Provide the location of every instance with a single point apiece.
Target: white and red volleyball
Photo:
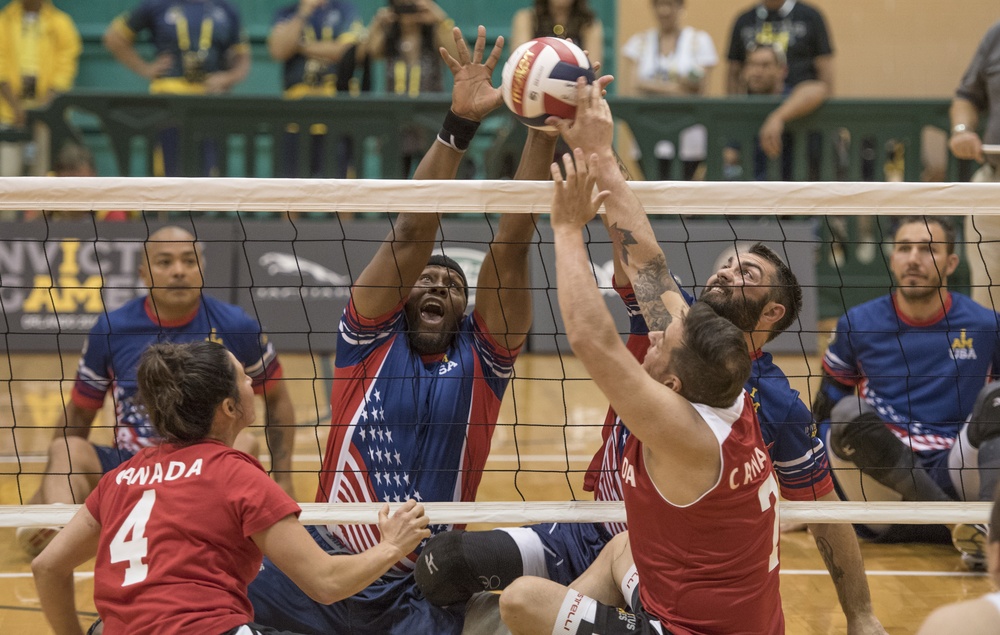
(539, 80)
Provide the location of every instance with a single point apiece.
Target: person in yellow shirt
(39, 54)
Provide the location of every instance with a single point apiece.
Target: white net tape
(578, 512)
(314, 195)
(293, 195)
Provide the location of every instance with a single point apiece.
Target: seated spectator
(76, 160)
(180, 530)
(407, 35)
(923, 425)
(982, 615)
(313, 38)
(568, 19)
(799, 30)
(669, 61)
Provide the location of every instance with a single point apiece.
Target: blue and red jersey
(111, 354)
(406, 425)
(922, 378)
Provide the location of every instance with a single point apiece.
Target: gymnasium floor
(907, 581)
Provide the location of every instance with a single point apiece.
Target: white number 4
(135, 549)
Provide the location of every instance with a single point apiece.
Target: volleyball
(539, 80)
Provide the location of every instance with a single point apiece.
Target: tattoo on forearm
(651, 281)
(623, 238)
(826, 550)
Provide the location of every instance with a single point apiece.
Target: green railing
(250, 131)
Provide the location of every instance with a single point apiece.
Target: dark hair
(945, 223)
(712, 360)
(394, 34)
(774, 47)
(785, 289)
(580, 17)
(73, 156)
(440, 260)
(181, 385)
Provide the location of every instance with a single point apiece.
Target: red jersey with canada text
(175, 554)
(711, 566)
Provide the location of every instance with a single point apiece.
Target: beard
(430, 342)
(732, 304)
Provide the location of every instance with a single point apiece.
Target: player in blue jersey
(175, 310)
(906, 388)
(418, 382)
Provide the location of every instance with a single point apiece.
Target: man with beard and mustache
(925, 424)
(754, 289)
(418, 382)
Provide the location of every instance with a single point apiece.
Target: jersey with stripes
(409, 426)
(922, 378)
(115, 344)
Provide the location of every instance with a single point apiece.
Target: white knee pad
(576, 609)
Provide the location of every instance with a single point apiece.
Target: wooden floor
(549, 425)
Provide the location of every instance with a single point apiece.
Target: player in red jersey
(179, 530)
(699, 488)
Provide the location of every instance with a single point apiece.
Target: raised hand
(574, 204)
(405, 528)
(473, 96)
(593, 128)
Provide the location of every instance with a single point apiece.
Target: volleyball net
(287, 251)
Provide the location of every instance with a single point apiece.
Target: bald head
(172, 269)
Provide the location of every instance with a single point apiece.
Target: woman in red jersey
(180, 529)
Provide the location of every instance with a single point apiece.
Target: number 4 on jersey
(133, 549)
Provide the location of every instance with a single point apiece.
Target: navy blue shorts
(393, 606)
(111, 457)
(570, 548)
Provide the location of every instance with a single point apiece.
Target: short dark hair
(785, 289)
(181, 385)
(712, 361)
(779, 51)
(944, 222)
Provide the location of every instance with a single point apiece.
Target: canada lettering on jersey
(751, 469)
(152, 474)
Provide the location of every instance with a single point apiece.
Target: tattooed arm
(629, 227)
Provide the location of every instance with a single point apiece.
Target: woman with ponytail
(180, 529)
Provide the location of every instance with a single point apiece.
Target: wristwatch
(960, 127)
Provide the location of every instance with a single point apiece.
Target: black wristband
(457, 132)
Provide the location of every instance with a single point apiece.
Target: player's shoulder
(127, 315)
(869, 313)
(967, 305)
(803, 10)
(232, 314)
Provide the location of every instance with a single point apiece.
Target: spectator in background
(314, 39)
(800, 31)
(570, 19)
(76, 160)
(201, 49)
(39, 55)
(979, 92)
(671, 60)
(407, 35)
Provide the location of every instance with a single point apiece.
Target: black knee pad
(867, 442)
(984, 423)
(455, 565)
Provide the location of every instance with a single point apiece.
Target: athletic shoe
(970, 540)
(33, 539)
